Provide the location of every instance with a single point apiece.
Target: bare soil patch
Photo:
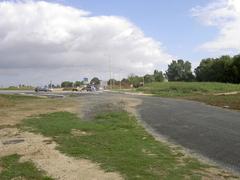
(39, 149)
(78, 133)
(43, 154)
(89, 107)
(13, 113)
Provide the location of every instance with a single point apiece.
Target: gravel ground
(209, 131)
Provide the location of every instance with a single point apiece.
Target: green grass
(197, 91)
(175, 89)
(13, 169)
(118, 143)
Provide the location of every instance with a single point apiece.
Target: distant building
(85, 81)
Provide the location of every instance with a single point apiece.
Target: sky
(43, 41)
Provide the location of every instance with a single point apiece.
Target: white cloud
(225, 15)
(41, 41)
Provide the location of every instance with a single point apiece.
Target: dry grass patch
(14, 108)
(231, 101)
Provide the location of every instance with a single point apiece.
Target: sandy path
(41, 151)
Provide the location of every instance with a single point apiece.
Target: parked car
(44, 89)
(74, 89)
(89, 88)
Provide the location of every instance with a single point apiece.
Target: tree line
(68, 84)
(223, 69)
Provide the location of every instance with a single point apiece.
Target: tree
(112, 82)
(236, 69)
(66, 84)
(136, 81)
(179, 71)
(204, 71)
(224, 69)
(158, 76)
(125, 81)
(77, 83)
(95, 81)
(149, 78)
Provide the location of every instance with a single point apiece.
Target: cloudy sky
(68, 40)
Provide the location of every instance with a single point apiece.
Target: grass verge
(13, 169)
(118, 143)
(229, 101)
(174, 89)
(197, 91)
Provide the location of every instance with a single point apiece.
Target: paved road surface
(210, 131)
(47, 94)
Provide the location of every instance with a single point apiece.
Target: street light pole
(110, 72)
(120, 83)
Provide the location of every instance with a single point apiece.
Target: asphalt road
(47, 94)
(210, 131)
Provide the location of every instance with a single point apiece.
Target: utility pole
(120, 83)
(110, 72)
(113, 81)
